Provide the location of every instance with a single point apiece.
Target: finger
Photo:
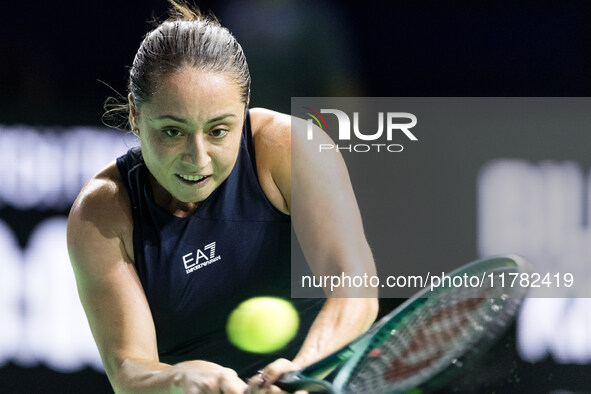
(255, 383)
(233, 388)
(274, 390)
(230, 383)
(273, 371)
(208, 385)
(264, 390)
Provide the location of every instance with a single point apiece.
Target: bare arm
(99, 244)
(315, 188)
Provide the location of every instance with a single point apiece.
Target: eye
(218, 133)
(172, 132)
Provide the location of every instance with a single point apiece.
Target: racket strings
(431, 337)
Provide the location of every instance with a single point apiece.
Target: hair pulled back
(186, 38)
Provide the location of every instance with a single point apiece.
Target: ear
(132, 113)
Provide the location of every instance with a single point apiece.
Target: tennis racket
(421, 344)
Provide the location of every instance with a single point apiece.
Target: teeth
(192, 178)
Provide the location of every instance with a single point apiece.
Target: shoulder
(103, 210)
(271, 133)
(104, 193)
(270, 129)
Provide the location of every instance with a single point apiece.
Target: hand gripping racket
(419, 345)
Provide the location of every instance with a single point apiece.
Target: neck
(170, 204)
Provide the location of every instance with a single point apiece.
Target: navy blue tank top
(196, 270)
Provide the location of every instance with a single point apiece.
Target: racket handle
(294, 381)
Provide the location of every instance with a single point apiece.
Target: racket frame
(349, 355)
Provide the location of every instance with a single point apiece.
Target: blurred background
(60, 61)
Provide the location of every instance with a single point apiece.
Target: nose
(196, 151)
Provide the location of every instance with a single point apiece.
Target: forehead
(191, 92)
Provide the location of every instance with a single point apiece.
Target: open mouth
(193, 179)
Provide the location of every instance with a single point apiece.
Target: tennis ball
(262, 324)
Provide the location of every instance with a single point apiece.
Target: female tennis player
(167, 240)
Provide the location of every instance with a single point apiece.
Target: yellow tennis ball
(262, 324)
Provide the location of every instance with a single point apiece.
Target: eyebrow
(180, 120)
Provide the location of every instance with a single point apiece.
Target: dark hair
(186, 38)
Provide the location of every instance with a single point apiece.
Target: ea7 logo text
(200, 259)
